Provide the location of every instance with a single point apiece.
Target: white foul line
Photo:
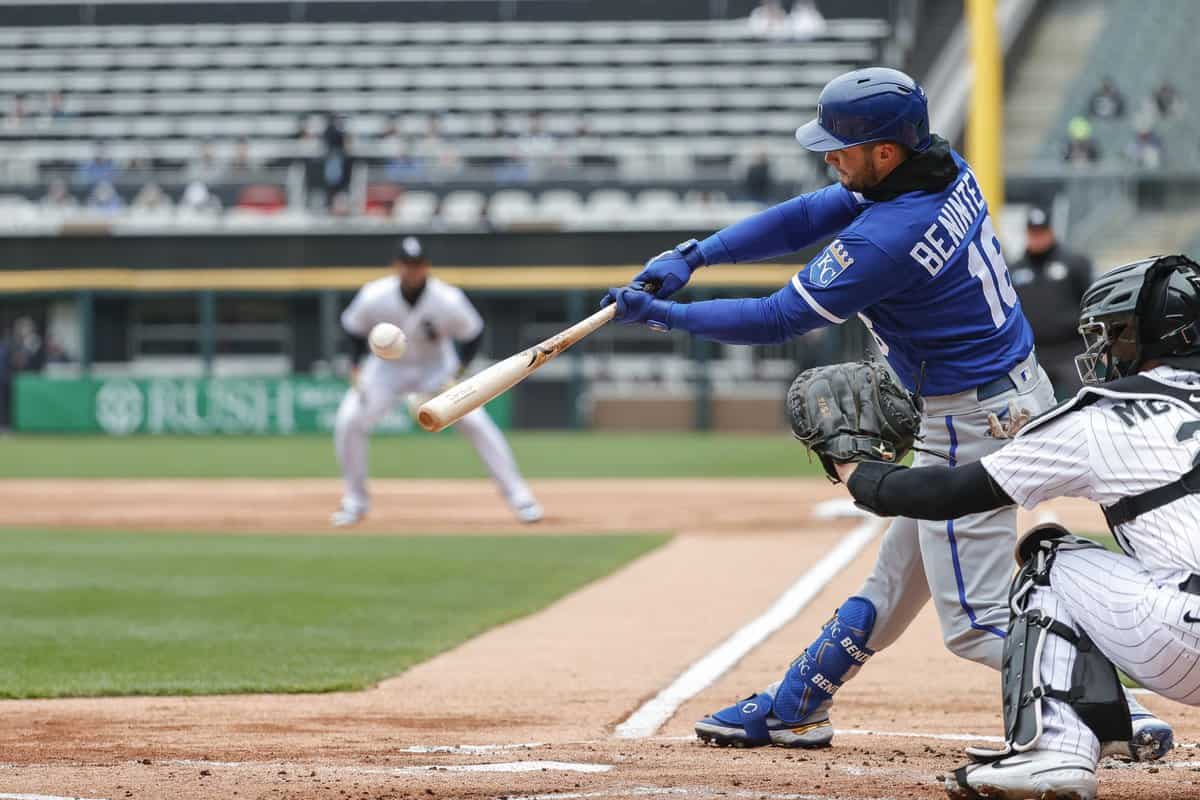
(4, 796)
(660, 708)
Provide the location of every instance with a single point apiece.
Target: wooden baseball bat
(461, 399)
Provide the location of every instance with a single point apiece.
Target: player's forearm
(933, 493)
(780, 229)
(468, 350)
(759, 320)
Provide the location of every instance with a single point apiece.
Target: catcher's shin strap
(1130, 508)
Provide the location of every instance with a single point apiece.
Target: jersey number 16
(986, 264)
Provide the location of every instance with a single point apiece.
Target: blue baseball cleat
(751, 723)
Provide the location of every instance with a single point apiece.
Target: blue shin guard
(831, 660)
(791, 713)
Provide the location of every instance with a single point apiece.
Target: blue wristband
(659, 316)
(693, 256)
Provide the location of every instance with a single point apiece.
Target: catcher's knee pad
(830, 661)
(1095, 693)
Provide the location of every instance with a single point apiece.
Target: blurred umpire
(1051, 280)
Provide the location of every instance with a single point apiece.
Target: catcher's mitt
(852, 412)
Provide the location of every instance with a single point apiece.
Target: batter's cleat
(1152, 739)
(1036, 775)
(750, 723)
(347, 515)
(529, 513)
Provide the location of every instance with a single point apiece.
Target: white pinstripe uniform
(1130, 605)
(441, 316)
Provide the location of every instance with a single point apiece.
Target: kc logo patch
(833, 261)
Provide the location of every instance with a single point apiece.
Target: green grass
(541, 455)
(107, 614)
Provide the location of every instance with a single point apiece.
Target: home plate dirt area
(593, 697)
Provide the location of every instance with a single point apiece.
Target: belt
(994, 387)
(1000, 385)
(1191, 585)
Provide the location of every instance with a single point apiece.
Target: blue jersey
(923, 271)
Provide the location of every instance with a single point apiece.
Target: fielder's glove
(852, 412)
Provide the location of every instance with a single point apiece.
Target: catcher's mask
(1149, 309)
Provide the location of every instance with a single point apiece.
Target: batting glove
(670, 270)
(636, 304)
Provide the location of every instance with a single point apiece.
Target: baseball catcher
(1130, 441)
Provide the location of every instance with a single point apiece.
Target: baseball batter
(914, 255)
(1129, 441)
(444, 332)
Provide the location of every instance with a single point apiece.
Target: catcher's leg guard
(794, 712)
(1095, 693)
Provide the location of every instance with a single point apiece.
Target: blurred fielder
(1130, 441)
(916, 258)
(444, 333)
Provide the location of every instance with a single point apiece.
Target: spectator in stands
(206, 167)
(58, 197)
(104, 199)
(758, 184)
(1167, 101)
(768, 19)
(243, 158)
(197, 199)
(1107, 102)
(537, 149)
(435, 152)
(335, 161)
(55, 106)
(1081, 146)
(1051, 280)
(18, 111)
(401, 166)
(98, 168)
(1147, 149)
(151, 199)
(806, 21)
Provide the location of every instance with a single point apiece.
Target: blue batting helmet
(875, 104)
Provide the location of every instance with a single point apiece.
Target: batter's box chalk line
(422, 769)
(698, 793)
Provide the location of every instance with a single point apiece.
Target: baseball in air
(387, 341)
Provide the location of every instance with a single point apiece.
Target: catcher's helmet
(875, 104)
(1149, 309)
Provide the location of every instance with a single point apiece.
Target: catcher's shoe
(347, 515)
(1036, 775)
(750, 723)
(1152, 739)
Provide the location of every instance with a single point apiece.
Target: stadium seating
(429, 104)
(1141, 46)
(165, 86)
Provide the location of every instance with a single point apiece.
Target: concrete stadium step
(1056, 54)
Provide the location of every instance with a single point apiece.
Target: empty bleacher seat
(414, 210)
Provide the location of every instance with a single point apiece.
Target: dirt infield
(530, 709)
